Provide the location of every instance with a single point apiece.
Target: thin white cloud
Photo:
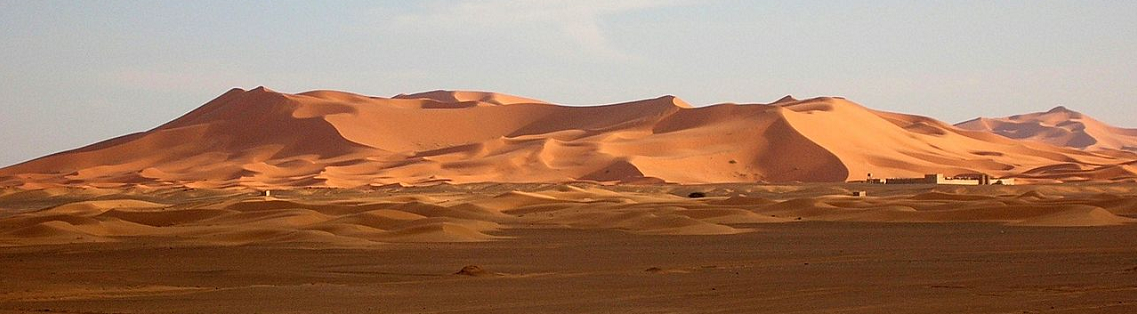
(578, 22)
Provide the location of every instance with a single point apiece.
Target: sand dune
(265, 139)
(1060, 127)
(481, 212)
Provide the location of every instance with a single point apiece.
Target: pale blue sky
(78, 72)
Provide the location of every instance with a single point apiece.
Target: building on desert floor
(939, 178)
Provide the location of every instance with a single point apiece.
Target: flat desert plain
(572, 248)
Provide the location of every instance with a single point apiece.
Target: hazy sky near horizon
(78, 72)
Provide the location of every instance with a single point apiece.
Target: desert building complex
(939, 178)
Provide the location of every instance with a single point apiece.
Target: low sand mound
(436, 232)
(672, 225)
(489, 212)
(1076, 216)
(728, 216)
(514, 200)
(90, 208)
(164, 218)
(382, 219)
(942, 196)
(49, 233)
(743, 200)
(270, 236)
(59, 229)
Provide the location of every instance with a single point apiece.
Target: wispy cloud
(577, 21)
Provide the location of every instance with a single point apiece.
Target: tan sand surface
(809, 267)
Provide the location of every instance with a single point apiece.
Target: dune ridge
(265, 139)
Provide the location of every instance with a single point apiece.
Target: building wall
(909, 181)
(944, 180)
(957, 181)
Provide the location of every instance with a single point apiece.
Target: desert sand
(475, 212)
(571, 248)
(265, 139)
(479, 202)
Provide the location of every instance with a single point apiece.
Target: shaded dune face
(266, 139)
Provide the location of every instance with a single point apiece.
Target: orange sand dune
(1060, 127)
(265, 139)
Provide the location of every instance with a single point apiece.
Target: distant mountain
(263, 138)
(1061, 127)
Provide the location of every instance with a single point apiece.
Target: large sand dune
(1061, 127)
(265, 139)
